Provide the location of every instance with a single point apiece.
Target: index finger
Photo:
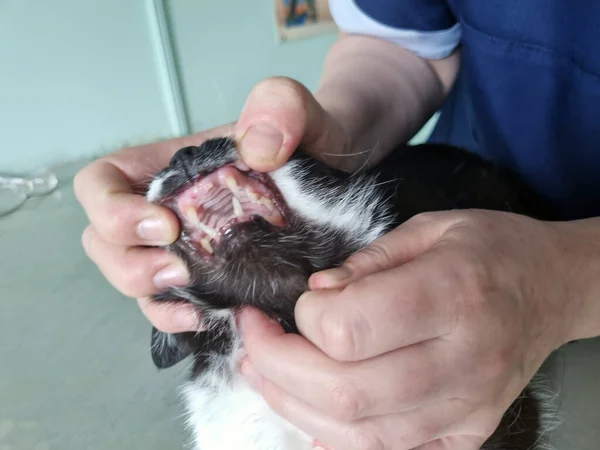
(383, 311)
(109, 190)
(119, 215)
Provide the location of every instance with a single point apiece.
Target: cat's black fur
(268, 267)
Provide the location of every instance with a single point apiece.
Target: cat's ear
(169, 349)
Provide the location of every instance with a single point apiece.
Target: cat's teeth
(275, 219)
(206, 245)
(237, 207)
(261, 201)
(232, 185)
(208, 230)
(192, 216)
(268, 203)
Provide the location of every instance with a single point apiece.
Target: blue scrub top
(528, 92)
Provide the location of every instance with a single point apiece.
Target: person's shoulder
(426, 28)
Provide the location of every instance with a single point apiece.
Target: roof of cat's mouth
(213, 203)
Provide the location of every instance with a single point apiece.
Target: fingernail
(319, 446)
(184, 319)
(251, 375)
(332, 278)
(338, 274)
(172, 275)
(262, 142)
(155, 230)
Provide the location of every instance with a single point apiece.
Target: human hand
(423, 339)
(123, 226)
(279, 115)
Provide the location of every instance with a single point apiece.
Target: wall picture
(302, 18)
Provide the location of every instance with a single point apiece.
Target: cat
(253, 238)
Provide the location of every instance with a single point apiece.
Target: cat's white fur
(225, 412)
(350, 210)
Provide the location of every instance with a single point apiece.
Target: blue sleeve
(426, 27)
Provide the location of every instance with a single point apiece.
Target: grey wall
(80, 78)
(83, 78)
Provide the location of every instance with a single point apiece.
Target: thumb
(399, 246)
(279, 115)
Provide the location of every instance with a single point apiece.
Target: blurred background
(79, 79)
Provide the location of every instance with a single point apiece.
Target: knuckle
(471, 273)
(374, 256)
(109, 212)
(280, 93)
(339, 340)
(124, 274)
(280, 85)
(130, 280)
(112, 224)
(421, 218)
(448, 218)
(470, 281)
(346, 400)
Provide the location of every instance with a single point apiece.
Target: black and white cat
(254, 239)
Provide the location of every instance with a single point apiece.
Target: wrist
(578, 244)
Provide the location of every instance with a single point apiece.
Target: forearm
(380, 93)
(579, 245)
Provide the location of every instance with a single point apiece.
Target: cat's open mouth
(213, 204)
